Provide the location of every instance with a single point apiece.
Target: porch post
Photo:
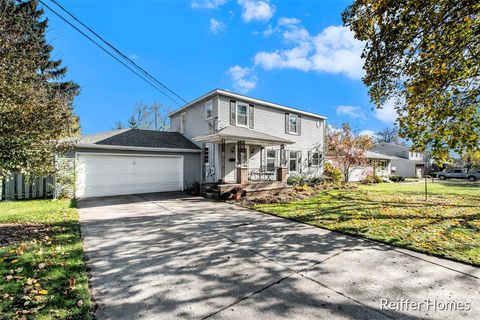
(282, 172)
(242, 167)
(222, 164)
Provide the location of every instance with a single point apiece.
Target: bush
(296, 180)
(371, 178)
(303, 180)
(331, 173)
(396, 178)
(195, 189)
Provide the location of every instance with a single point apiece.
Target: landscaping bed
(42, 270)
(446, 225)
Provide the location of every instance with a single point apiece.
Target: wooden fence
(15, 187)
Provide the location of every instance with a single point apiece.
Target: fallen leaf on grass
(43, 291)
(41, 266)
(72, 283)
(80, 303)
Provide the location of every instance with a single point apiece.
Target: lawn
(447, 225)
(42, 270)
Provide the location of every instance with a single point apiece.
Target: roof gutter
(249, 99)
(112, 147)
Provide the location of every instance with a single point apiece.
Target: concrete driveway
(166, 256)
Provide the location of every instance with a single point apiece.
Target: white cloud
(333, 50)
(243, 79)
(259, 10)
(282, 21)
(133, 56)
(216, 26)
(207, 4)
(351, 111)
(387, 114)
(367, 132)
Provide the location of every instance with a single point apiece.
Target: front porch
(240, 156)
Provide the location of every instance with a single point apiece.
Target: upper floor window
(183, 122)
(208, 109)
(292, 123)
(242, 115)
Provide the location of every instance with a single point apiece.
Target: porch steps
(252, 188)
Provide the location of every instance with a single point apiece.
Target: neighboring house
(246, 139)
(405, 163)
(221, 137)
(377, 162)
(131, 161)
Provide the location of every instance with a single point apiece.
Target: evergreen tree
(35, 104)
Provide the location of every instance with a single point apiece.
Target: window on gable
(208, 109)
(183, 122)
(242, 115)
(292, 123)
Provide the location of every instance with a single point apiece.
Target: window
(292, 123)
(271, 159)
(315, 159)
(206, 154)
(183, 122)
(293, 162)
(382, 164)
(208, 109)
(242, 115)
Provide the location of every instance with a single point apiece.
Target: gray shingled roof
(233, 132)
(138, 138)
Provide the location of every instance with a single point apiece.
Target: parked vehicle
(458, 174)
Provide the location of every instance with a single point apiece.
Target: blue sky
(294, 53)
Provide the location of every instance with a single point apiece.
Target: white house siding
(272, 121)
(196, 123)
(405, 168)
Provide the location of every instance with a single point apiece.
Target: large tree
(35, 105)
(425, 56)
(388, 135)
(148, 117)
(346, 150)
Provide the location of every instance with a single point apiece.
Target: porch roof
(234, 134)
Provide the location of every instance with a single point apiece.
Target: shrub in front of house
(304, 180)
(371, 178)
(332, 173)
(396, 178)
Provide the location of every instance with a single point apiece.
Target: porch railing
(261, 174)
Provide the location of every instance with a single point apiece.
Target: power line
(118, 51)
(146, 79)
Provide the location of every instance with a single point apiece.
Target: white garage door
(107, 175)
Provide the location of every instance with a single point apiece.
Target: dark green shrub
(195, 189)
(396, 178)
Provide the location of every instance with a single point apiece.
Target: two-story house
(246, 139)
(404, 162)
(220, 137)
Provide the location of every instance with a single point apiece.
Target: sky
(294, 53)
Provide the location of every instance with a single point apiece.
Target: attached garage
(134, 161)
(115, 174)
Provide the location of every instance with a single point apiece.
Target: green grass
(447, 225)
(36, 274)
